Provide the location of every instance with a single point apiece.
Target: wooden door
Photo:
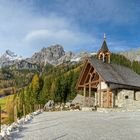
(107, 99)
(110, 99)
(105, 104)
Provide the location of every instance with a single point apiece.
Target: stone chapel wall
(125, 99)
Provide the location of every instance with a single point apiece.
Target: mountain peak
(49, 54)
(9, 58)
(10, 53)
(54, 55)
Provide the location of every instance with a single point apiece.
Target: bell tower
(104, 53)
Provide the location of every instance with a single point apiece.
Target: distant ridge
(54, 55)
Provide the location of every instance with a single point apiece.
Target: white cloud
(66, 37)
(26, 29)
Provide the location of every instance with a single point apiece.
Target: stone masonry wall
(138, 95)
(121, 97)
(125, 99)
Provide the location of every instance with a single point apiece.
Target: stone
(49, 104)
(49, 55)
(125, 99)
(87, 109)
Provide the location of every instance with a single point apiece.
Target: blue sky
(78, 25)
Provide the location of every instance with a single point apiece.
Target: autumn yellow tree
(36, 86)
(10, 109)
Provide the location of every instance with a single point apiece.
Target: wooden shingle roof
(116, 74)
(104, 47)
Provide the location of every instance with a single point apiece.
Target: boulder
(79, 99)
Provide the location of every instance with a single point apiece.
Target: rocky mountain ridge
(48, 55)
(132, 55)
(54, 55)
(9, 58)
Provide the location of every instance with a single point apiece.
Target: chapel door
(110, 99)
(107, 99)
(105, 103)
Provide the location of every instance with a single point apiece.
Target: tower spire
(104, 53)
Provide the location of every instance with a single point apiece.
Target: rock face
(9, 58)
(81, 56)
(49, 55)
(24, 64)
(132, 55)
(66, 58)
(14, 61)
(54, 55)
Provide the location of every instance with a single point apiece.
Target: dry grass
(4, 115)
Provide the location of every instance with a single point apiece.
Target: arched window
(106, 58)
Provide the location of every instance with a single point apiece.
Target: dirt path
(82, 126)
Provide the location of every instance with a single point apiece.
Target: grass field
(3, 107)
(3, 101)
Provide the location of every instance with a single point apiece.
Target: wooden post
(89, 90)
(15, 113)
(99, 98)
(84, 95)
(0, 118)
(95, 99)
(112, 100)
(84, 91)
(107, 96)
(109, 58)
(89, 98)
(24, 110)
(103, 57)
(90, 85)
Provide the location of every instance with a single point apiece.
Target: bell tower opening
(104, 53)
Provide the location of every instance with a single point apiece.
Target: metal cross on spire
(104, 36)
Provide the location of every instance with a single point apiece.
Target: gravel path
(82, 126)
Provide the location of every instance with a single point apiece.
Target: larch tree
(36, 86)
